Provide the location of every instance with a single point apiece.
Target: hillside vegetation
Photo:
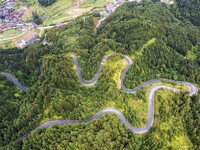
(190, 9)
(158, 43)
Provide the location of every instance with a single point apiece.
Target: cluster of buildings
(14, 26)
(170, 2)
(9, 17)
(110, 8)
(22, 44)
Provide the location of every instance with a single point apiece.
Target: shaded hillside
(190, 9)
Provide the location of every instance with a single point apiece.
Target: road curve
(112, 110)
(192, 89)
(14, 80)
(94, 80)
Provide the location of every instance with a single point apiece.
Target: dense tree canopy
(36, 18)
(190, 9)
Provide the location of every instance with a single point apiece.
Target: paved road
(46, 27)
(192, 89)
(41, 67)
(94, 80)
(115, 111)
(111, 110)
(6, 39)
(11, 78)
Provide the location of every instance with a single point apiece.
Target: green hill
(149, 33)
(189, 9)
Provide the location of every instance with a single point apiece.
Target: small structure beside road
(58, 24)
(170, 2)
(22, 44)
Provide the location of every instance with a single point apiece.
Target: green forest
(189, 9)
(36, 18)
(162, 41)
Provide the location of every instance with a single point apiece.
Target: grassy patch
(181, 142)
(49, 14)
(10, 33)
(191, 55)
(149, 43)
(141, 110)
(7, 44)
(95, 3)
(117, 66)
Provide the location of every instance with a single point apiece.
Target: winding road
(93, 81)
(14, 80)
(112, 110)
(192, 90)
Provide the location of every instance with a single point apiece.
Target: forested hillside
(190, 9)
(159, 44)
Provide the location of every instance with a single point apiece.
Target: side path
(192, 90)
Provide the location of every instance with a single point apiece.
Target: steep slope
(157, 43)
(190, 9)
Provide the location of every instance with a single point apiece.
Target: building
(170, 2)
(34, 39)
(9, 14)
(34, 25)
(109, 6)
(22, 44)
(58, 24)
(118, 2)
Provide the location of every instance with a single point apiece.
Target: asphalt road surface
(14, 80)
(93, 81)
(192, 90)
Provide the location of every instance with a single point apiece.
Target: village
(110, 8)
(11, 18)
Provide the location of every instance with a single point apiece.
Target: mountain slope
(156, 41)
